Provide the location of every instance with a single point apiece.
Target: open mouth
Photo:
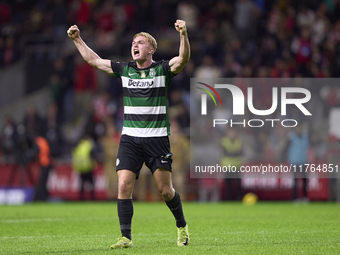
(136, 52)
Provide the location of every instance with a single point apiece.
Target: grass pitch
(221, 228)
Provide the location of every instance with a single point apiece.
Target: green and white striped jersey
(145, 98)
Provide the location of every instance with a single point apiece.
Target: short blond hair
(149, 38)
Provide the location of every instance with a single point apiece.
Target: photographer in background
(25, 153)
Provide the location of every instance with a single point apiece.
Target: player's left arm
(177, 63)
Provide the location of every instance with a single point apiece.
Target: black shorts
(134, 151)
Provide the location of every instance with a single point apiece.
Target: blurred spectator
(264, 151)
(104, 17)
(208, 69)
(83, 162)
(59, 19)
(212, 47)
(318, 147)
(9, 52)
(64, 89)
(56, 90)
(230, 68)
(178, 109)
(45, 163)
(232, 156)
(334, 34)
(321, 25)
(182, 82)
(274, 19)
(297, 155)
(278, 140)
(235, 48)
(61, 86)
(209, 190)
(53, 131)
(105, 23)
(222, 12)
(110, 144)
(103, 109)
(188, 11)
(33, 122)
(305, 18)
(81, 11)
(245, 19)
(279, 70)
(7, 137)
(94, 128)
(104, 41)
(5, 12)
(85, 84)
(180, 147)
(270, 53)
(26, 151)
(290, 21)
(302, 48)
(221, 112)
(331, 97)
(249, 144)
(143, 19)
(37, 20)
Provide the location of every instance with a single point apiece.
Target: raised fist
(73, 32)
(181, 27)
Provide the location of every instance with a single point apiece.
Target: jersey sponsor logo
(164, 161)
(140, 84)
(117, 161)
(146, 83)
(130, 74)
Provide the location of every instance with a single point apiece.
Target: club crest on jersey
(142, 74)
(152, 73)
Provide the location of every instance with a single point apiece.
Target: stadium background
(49, 90)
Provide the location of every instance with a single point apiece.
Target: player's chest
(142, 74)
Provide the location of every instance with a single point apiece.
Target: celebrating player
(146, 123)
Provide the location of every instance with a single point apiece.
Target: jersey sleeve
(167, 70)
(117, 68)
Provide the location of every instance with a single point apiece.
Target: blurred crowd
(254, 38)
(231, 38)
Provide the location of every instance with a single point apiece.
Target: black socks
(175, 205)
(125, 213)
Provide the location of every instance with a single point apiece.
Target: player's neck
(144, 64)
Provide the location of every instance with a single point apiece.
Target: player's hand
(181, 27)
(73, 32)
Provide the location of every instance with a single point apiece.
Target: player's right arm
(88, 55)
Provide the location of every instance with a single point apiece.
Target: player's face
(141, 48)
